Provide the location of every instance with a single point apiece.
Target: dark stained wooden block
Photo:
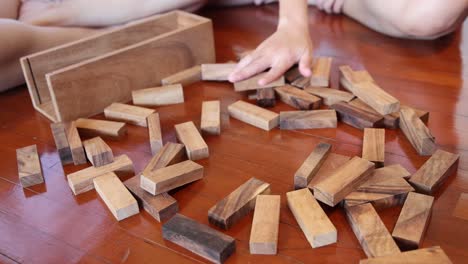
(266, 97)
(298, 98)
(61, 142)
(356, 117)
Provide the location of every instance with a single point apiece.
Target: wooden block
(76, 146)
(343, 181)
(252, 83)
(29, 166)
(237, 204)
(311, 165)
(154, 133)
(292, 74)
(395, 170)
(185, 77)
(332, 163)
(195, 146)
(371, 232)
(417, 132)
(82, 180)
(356, 117)
(321, 72)
(199, 239)
(265, 225)
(103, 128)
(297, 98)
(432, 255)
(254, 115)
(161, 207)
(313, 221)
(171, 153)
(373, 146)
(330, 96)
(301, 82)
(308, 119)
(98, 152)
(461, 209)
(61, 142)
(211, 117)
(434, 172)
(390, 121)
(413, 221)
(159, 96)
(217, 71)
(114, 194)
(169, 178)
(266, 97)
(128, 113)
(253, 96)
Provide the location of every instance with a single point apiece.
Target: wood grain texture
(199, 239)
(373, 146)
(313, 221)
(321, 72)
(301, 82)
(461, 209)
(184, 77)
(265, 225)
(394, 170)
(211, 117)
(128, 113)
(330, 96)
(332, 163)
(171, 153)
(343, 181)
(103, 128)
(356, 117)
(29, 166)
(311, 165)
(159, 96)
(390, 121)
(161, 207)
(252, 83)
(171, 177)
(266, 97)
(217, 71)
(432, 255)
(417, 132)
(154, 133)
(82, 180)
(292, 74)
(435, 171)
(412, 223)
(98, 152)
(195, 145)
(114, 194)
(237, 204)
(313, 119)
(74, 141)
(254, 115)
(297, 98)
(61, 142)
(371, 232)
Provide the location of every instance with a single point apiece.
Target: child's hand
(330, 6)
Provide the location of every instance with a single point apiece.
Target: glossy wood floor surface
(47, 224)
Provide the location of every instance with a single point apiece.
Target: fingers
(328, 5)
(274, 73)
(338, 6)
(305, 65)
(246, 70)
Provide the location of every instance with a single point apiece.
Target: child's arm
(290, 44)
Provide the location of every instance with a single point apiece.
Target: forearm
(293, 14)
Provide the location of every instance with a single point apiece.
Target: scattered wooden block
(395, 170)
(98, 152)
(161, 207)
(332, 163)
(29, 166)
(343, 181)
(297, 98)
(114, 194)
(390, 121)
(61, 142)
(199, 239)
(128, 113)
(211, 117)
(292, 74)
(321, 72)
(252, 83)
(308, 119)
(82, 180)
(237, 204)
(195, 146)
(434, 172)
(171, 153)
(217, 71)
(185, 77)
(254, 115)
(371, 232)
(432, 255)
(169, 178)
(373, 146)
(330, 96)
(311, 165)
(313, 221)
(356, 117)
(265, 225)
(461, 209)
(266, 97)
(103, 128)
(417, 132)
(74, 141)
(301, 82)
(159, 96)
(154, 133)
(348, 77)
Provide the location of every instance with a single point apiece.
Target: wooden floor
(47, 224)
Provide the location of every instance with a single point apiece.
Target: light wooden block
(103, 128)
(332, 163)
(297, 98)
(313, 221)
(82, 180)
(311, 165)
(356, 117)
(321, 72)
(252, 83)
(128, 113)
(330, 96)
(211, 117)
(395, 170)
(185, 77)
(114, 194)
(417, 132)
(98, 152)
(266, 97)
(195, 145)
(254, 115)
(432, 255)
(265, 225)
(301, 82)
(159, 96)
(29, 166)
(237, 204)
(217, 71)
(76, 146)
(154, 133)
(61, 142)
(313, 119)
(171, 153)
(373, 146)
